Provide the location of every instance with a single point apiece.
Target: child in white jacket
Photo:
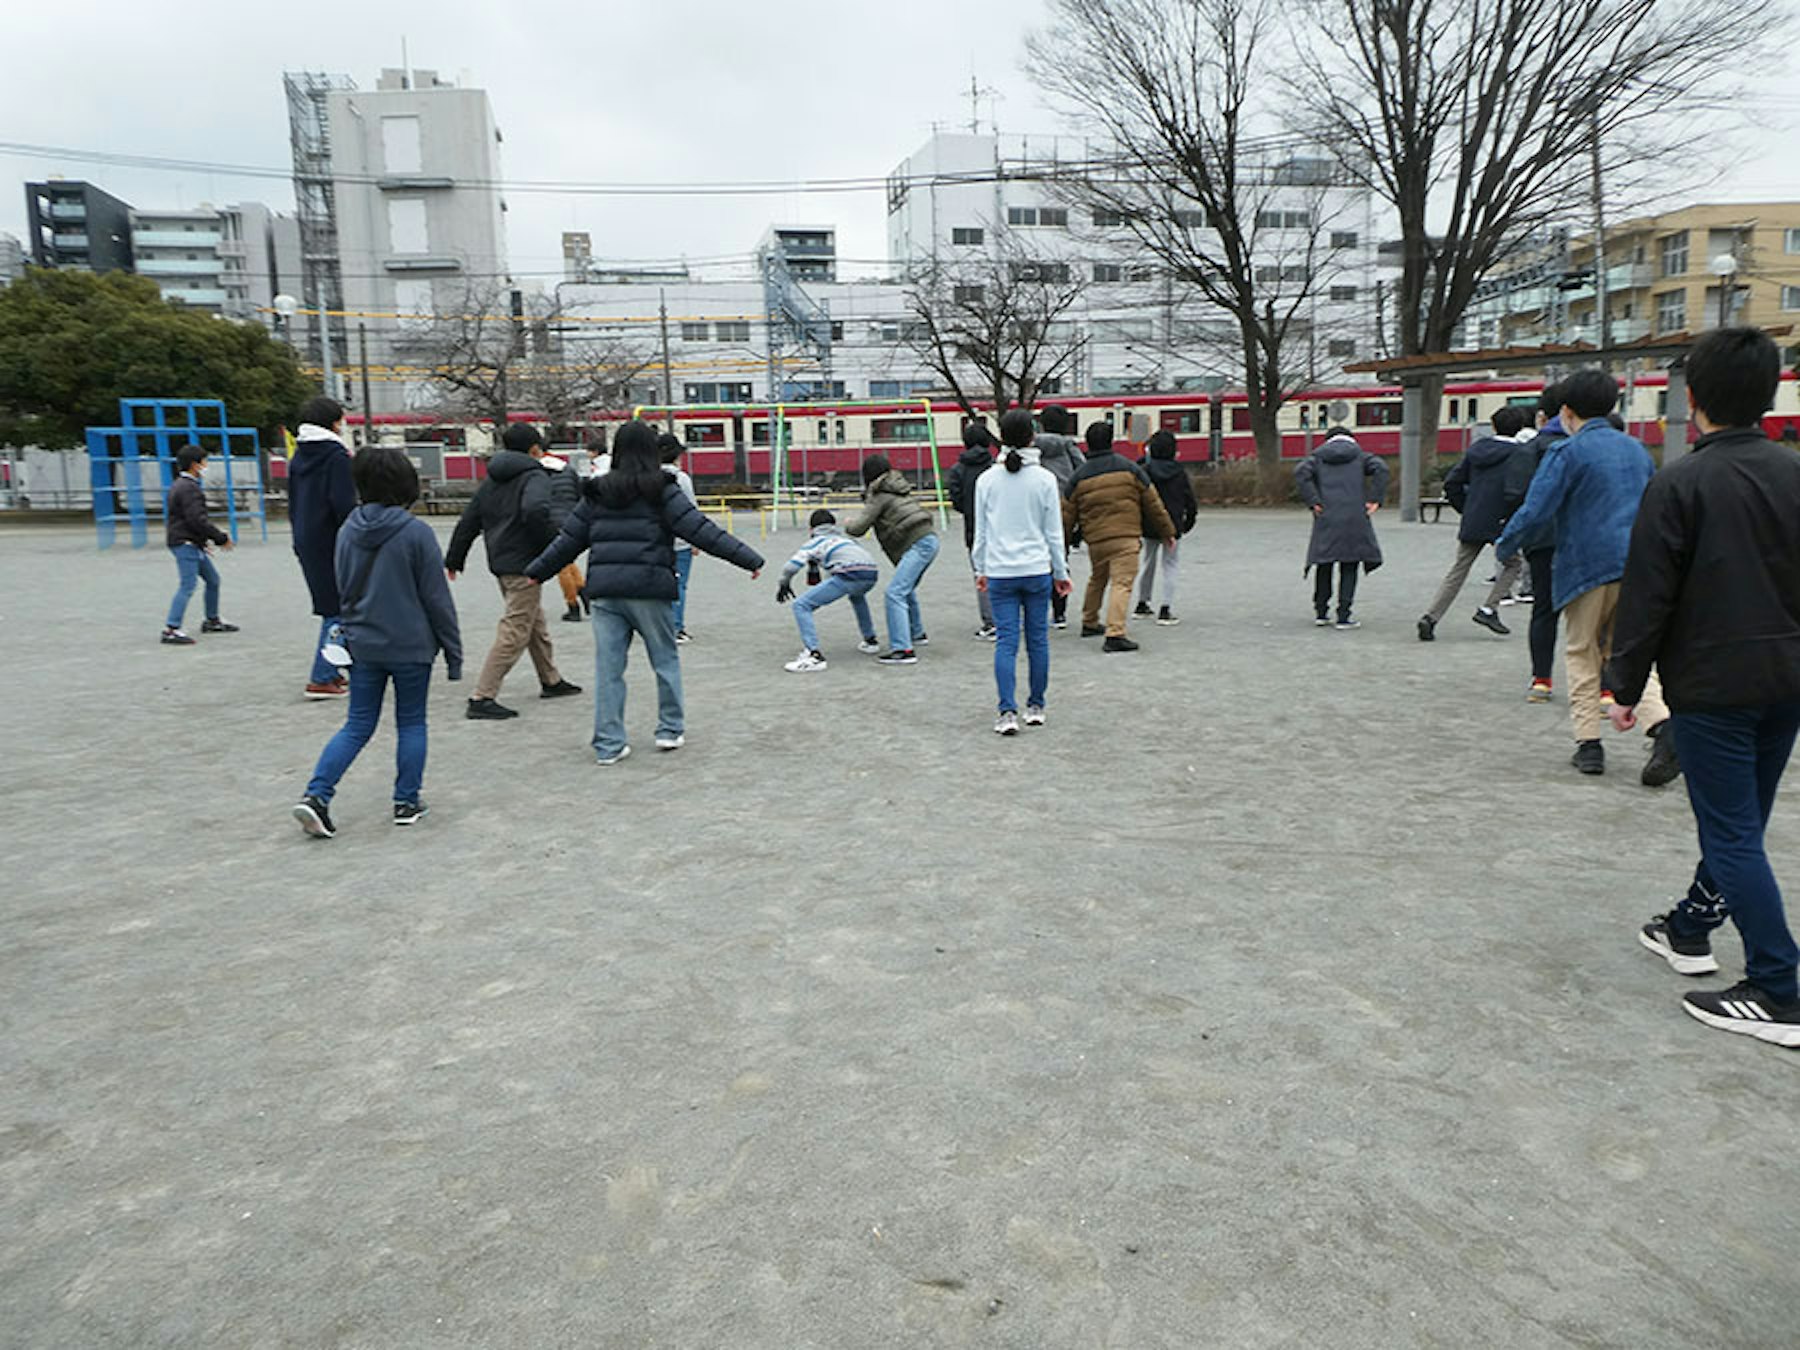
(837, 567)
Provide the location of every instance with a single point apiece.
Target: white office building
(12, 259)
(226, 260)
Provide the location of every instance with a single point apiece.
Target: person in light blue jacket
(837, 568)
(1020, 562)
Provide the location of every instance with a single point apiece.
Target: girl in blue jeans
(1020, 563)
(397, 616)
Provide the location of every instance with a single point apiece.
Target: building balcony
(415, 182)
(66, 243)
(422, 263)
(233, 248)
(68, 210)
(200, 297)
(1630, 277)
(175, 238)
(178, 267)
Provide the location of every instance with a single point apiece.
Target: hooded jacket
(897, 516)
(1485, 487)
(320, 498)
(1588, 487)
(512, 510)
(835, 555)
(397, 608)
(565, 488)
(1062, 456)
(1018, 523)
(1176, 489)
(630, 541)
(1111, 498)
(1531, 458)
(974, 461)
(1712, 584)
(1343, 478)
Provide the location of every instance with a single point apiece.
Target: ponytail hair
(1016, 432)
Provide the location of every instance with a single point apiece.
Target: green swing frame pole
(937, 468)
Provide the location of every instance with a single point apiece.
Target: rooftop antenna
(405, 65)
(976, 90)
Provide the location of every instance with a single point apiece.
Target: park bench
(1436, 506)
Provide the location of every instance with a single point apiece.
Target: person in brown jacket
(1111, 501)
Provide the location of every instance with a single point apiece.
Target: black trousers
(1543, 614)
(1346, 588)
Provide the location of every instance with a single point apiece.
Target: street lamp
(1724, 267)
(286, 306)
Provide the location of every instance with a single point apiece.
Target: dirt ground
(1282, 990)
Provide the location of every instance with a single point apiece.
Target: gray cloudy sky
(670, 90)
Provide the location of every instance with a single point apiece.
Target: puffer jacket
(1342, 478)
(512, 510)
(959, 487)
(630, 541)
(894, 512)
(565, 488)
(1111, 498)
(1176, 489)
(1061, 455)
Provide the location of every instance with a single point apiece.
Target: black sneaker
(573, 614)
(987, 632)
(409, 813)
(488, 710)
(898, 658)
(1059, 623)
(1091, 630)
(1165, 618)
(1143, 610)
(1590, 758)
(1664, 765)
(1427, 628)
(314, 818)
(1490, 620)
(1321, 621)
(561, 689)
(1685, 955)
(920, 640)
(1745, 1009)
(1118, 644)
(174, 637)
(218, 626)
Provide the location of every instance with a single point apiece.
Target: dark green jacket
(898, 517)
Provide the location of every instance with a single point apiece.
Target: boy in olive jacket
(902, 526)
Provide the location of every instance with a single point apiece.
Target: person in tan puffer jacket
(1112, 502)
(902, 525)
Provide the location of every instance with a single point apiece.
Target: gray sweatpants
(1466, 554)
(1171, 562)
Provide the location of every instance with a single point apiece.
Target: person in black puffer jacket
(628, 522)
(1177, 492)
(977, 458)
(513, 510)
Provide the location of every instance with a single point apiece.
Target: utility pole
(362, 353)
(662, 299)
(1604, 331)
(325, 341)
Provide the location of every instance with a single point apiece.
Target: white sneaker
(805, 662)
(670, 742)
(1034, 716)
(869, 647)
(624, 753)
(1007, 724)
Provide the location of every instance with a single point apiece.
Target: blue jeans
(1733, 760)
(834, 588)
(1026, 598)
(323, 672)
(903, 618)
(193, 565)
(614, 622)
(684, 563)
(368, 684)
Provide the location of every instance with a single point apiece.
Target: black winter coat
(1343, 478)
(1711, 593)
(1487, 485)
(565, 493)
(512, 510)
(186, 513)
(1176, 489)
(320, 499)
(974, 461)
(631, 540)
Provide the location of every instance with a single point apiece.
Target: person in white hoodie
(1020, 562)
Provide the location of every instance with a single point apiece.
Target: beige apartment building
(1681, 271)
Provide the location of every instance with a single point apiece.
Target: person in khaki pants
(513, 512)
(1112, 502)
(1590, 486)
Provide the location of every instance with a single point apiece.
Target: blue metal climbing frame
(149, 433)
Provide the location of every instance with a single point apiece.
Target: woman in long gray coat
(1343, 485)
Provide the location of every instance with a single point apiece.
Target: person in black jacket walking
(189, 534)
(628, 522)
(513, 510)
(1485, 488)
(1177, 492)
(1711, 598)
(320, 498)
(976, 459)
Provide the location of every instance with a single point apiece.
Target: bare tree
(494, 356)
(1477, 120)
(1242, 223)
(996, 329)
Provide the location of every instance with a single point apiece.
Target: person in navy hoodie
(320, 498)
(397, 616)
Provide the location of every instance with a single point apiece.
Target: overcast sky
(698, 90)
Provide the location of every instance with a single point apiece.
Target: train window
(1184, 421)
(703, 433)
(1379, 414)
(1305, 418)
(1471, 411)
(840, 431)
(1240, 419)
(1455, 409)
(759, 433)
(887, 430)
